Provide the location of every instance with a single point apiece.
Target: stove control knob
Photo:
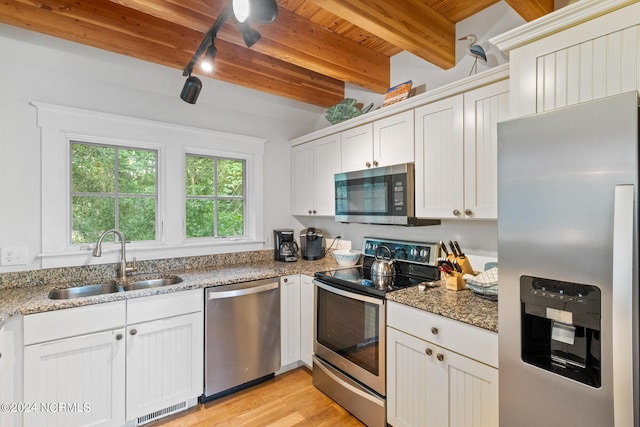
(423, 253)
(400, 253)
(413, 252)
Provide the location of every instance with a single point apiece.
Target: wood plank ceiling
(307, 54)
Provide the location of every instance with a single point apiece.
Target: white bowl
(347, 257)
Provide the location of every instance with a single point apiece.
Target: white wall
(34, 67)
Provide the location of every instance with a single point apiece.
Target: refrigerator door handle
(622, 318)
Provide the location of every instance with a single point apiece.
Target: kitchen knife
(457, 266)
(460, 253)
(444, 249)
(453, 249)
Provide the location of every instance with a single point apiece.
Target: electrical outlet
(13, 255)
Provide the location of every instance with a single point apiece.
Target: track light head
(241, 9)
(263, 11)
(206, 63)
(249, 35)
(191, 89)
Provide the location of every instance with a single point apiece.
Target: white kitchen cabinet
(384, 142)
(111, 370)
(164, 354)
(11, 358)
(439, 372)
(290, 319)
(306, 319)
(81, 366)
(313, 167)
(456, 154)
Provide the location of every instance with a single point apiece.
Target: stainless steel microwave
(384, 195)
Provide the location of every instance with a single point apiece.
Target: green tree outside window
(215, 196)
(113, 187)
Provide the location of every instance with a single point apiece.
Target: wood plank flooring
(287, 400)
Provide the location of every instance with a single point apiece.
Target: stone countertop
(463, 306)
(33, 299)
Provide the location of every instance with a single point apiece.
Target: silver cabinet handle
(118, 337)
(434, 330)
(429, 352)
(440, 357)
(133, 331)
(368, 164)
(468, 212)
(456, 212)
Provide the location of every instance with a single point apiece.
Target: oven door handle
(347, 294)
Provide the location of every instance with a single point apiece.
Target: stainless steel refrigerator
(568, 257)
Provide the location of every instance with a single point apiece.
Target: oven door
(349, 333)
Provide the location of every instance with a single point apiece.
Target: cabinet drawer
(53, 325)
(468, 340)
(166, 305)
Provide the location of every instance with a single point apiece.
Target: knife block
(455, 282)
(464, 264)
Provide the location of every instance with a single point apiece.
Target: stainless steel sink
(151, 283)
(84, 291)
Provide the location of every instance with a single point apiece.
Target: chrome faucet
(123, 270)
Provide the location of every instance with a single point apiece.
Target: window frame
(59, 126)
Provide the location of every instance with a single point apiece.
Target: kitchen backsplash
(94, 273)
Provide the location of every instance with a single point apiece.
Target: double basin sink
(110, 288)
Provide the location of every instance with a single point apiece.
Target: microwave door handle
(623, 297)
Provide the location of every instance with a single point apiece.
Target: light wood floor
(287, 400)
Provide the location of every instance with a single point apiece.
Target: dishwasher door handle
(214, 294)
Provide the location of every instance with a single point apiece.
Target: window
(215, 196)
(112, 187)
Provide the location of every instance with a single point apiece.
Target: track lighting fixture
(191, 89)
(249, 35)
(243, 12)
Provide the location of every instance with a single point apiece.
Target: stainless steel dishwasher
(242, 335)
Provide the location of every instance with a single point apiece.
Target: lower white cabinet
(289, 319)
(11, 359)
(306, 319)
(86, 366)
(432, 385)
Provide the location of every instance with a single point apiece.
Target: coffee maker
(285, 247)
(312, 243)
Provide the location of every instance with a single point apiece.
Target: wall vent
(161, 413)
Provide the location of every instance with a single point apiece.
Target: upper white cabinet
(384, 142)
(582, 52)
(439, 372)
(313, 167)
(456, 153)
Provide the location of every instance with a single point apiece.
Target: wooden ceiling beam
(102, 24)
(531, 9)
(290, 38)
(410, 25)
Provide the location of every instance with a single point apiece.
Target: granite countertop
(462, 306)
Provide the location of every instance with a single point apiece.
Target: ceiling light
(249, 35)
(263, 11)
(191, 89)
(241, 10)
(206, 64)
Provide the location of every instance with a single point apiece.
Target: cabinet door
(290, 319)
(303, 177)
(393, 140)
(164, 363)
(306, 319)
(357, 148)
(439, 161)
(483, 109)
(328, 162)
(86, 373)
(11, 358)
(415, 396)
(472, 390)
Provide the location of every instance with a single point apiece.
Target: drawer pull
(440, 357)
(133, 331)
(429, 352)
(434, 330)
(118, 337)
